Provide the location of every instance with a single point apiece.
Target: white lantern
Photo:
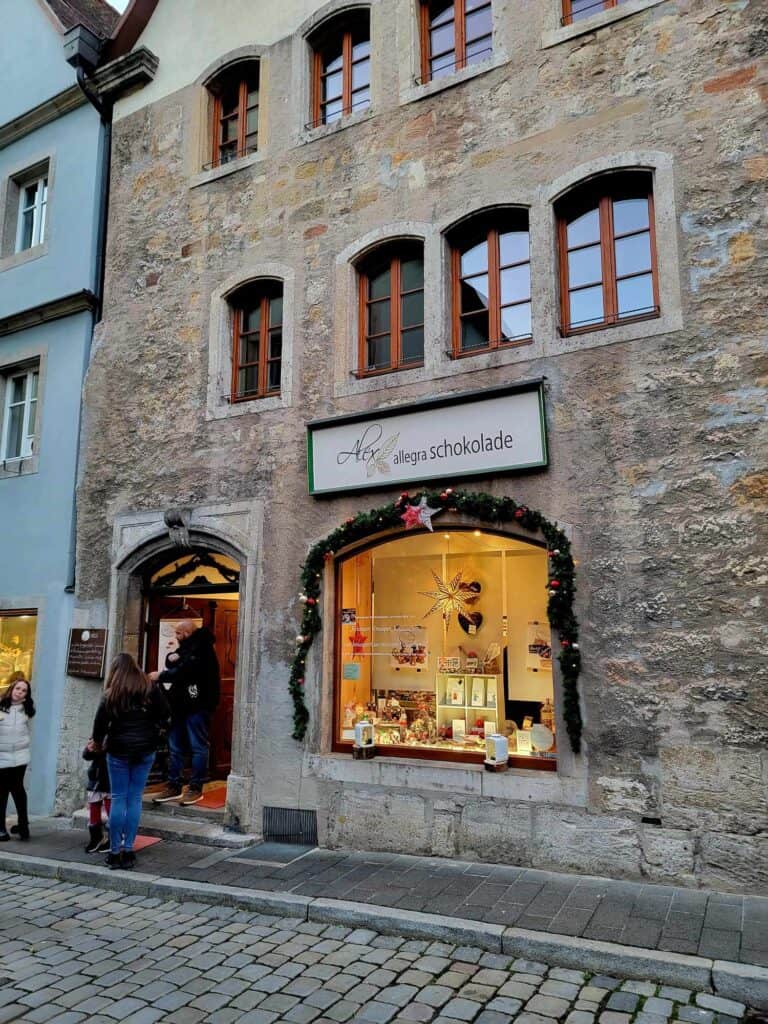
(364, 734)
(496, 752)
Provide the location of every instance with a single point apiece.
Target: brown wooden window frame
(246, 75)
(399, 255)
(346, 29)
(602, 194)
(598, 7)
(259, 293)
(459, 39)
(458, 244)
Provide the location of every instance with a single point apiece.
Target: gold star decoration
(450, 596)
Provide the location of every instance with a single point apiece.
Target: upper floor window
(341, 68)
(608, 271)
(33, 200)
(491, 282)
(392, 308)
(235, 113)
(576, 10)
(454, 33)
(20, 412)
(257, 344)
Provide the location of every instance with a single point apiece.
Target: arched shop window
(442, 638)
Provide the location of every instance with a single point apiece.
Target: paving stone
(563, 989)
(580, 1017)
(720, 1005)
(678, 995)
(548, 1006)
(302, 1014)
(612, 1017)
(491, 1017)
(418, 1012)
(696, 1014)
(377, 1013)
(461, 1009)
(604, 981)
(490, 976)
(434, 995)
(661, 1007)
(624, 1001)
(593, 993)
(649, 1018)
(517, 990)
(398, 995)
(529, 967)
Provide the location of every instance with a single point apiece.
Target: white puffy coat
(14, 737)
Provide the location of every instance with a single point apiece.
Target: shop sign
(477, 433)
(86, 654)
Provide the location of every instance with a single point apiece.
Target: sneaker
(112, 860)
(127, 860)
(4, 837)
(171, 792)
(103, 845)
(192, 795)
(22, 833)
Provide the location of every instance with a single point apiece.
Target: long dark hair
(28, 704)
(126, 685)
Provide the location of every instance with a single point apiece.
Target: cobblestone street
(73, 953)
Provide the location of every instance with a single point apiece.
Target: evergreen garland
(488, 509)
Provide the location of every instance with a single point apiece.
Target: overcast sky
(119, 5)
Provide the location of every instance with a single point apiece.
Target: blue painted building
(52, 148)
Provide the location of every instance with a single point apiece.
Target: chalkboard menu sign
(87, 651)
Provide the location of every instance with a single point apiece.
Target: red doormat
(142, 842)
(213, 799)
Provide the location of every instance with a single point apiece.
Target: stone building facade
(656, 461)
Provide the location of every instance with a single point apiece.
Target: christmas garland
(486, 508)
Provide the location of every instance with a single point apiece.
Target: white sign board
(467, 435)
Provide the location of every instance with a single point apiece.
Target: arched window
(441, 639)
(576, 10)
(454, 33)
(491, 281)
(257, 340)
(341, 67)
(606, 234)
(234, 112)
(391, 281)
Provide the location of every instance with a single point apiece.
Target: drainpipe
(82, 50)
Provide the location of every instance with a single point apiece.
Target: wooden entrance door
(220, 617)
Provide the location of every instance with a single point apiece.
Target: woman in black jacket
(130, 718)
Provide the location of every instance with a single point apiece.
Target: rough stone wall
(657, 443)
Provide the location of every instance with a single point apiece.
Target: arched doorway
(202, 586)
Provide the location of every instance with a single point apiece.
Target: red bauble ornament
(519, 513)
(443, 495)
(328, 556)
(300, 682)
(310, 601)
(554, 584)
(565, 643)
(348, 522)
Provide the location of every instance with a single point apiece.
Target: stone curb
(745, 983)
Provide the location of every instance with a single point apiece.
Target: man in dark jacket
(191, 681)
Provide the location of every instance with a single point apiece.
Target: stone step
(194, 812)
(184, 829)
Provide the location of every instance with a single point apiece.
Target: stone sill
(586, 25)
(14, 468)
(18, 259)
(420, 92)
(249, 406)
(223, 171)
(322, 131)
(515, 785)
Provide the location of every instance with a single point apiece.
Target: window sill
(613, 334)
(18, 259)
(226, 407)
(584, 26)
(521, 785)
(14, 468)
(322, 131)
(420, 92)
(224, 170)
(505, 347)
(368, 374)
(569, 332)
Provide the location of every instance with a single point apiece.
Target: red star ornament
(411, 517)
(357, 639)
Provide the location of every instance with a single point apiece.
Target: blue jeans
(127, 780)
(189, 730)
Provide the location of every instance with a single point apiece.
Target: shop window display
(17, 644)
(442, 639)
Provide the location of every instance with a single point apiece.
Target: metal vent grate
(288, 825)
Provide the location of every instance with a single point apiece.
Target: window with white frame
(20, 413)
(33, 201)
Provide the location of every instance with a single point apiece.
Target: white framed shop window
(33, 202)
(21, 389)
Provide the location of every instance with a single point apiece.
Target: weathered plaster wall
(656, 431)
